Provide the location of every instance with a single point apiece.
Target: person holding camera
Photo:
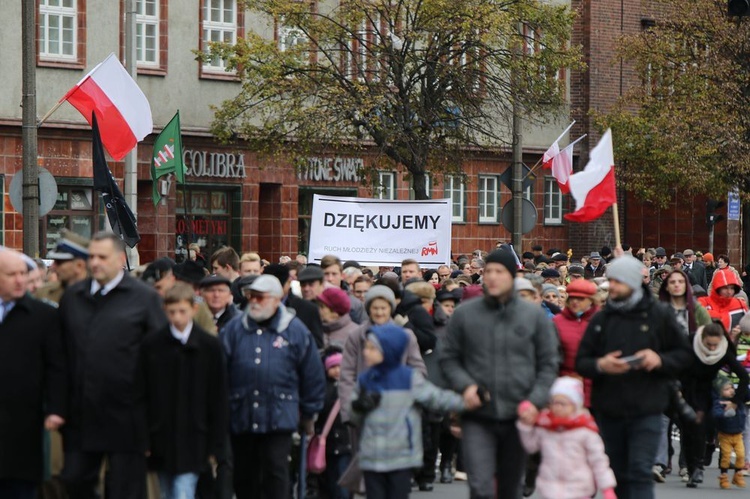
(631, 350)
(712, 350)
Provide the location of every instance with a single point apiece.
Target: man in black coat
(695, 270)
(33, 381)
(630, 350)
(105, 319)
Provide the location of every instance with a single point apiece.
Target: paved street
(674, 488)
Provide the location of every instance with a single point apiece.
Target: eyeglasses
(253, 296)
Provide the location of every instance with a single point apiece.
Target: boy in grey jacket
(383, 404)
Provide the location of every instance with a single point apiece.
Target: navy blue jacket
(733, 425)
(275, 373)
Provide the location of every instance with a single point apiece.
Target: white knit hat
(569, 387)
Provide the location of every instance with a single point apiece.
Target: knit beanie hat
(336, 299)
(380, 291)
(504, 258)
(546, 288)
(720, 382)
(333, 360)
(569, 387)
(627, 270)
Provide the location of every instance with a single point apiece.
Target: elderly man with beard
(276, 384)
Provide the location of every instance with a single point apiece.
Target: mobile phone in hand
(633, 360)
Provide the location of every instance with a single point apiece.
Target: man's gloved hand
(366, 402)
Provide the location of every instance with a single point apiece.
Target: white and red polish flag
(122, 110)
(562, 165)
(554, 149)
(594, 188)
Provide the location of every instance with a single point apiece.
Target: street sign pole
(29, 135)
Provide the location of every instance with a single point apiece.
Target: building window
(427, 187)
(456, 191)
(386, 188)
(58, 30)
(147, 32)
(220, 24)
(289, 37)
(76, 209)
(209, 220)
(489, 198)
(553, 202)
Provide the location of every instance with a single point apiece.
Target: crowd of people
(518, 373)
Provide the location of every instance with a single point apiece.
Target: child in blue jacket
(383, 404)
(730, 422)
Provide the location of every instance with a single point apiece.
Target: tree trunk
(419, 185)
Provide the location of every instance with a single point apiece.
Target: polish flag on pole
(562, 165)
(122, 111)
(554, 149)
(594, 188)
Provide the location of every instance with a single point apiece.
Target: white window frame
(143, 22)
(292, 33)
(456, 193)
(427, 186)
(489, 198)
(386, 188)
(226, 30)
(553, 202)
(61, 12)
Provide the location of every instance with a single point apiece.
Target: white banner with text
(381, 232)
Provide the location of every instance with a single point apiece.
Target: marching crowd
(518, 373)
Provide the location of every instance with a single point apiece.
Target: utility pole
(30, 170)
(517, 153)
(130, 179)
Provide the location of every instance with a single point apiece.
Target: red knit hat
(581, 288)
(336, 299)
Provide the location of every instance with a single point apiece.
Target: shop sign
(214, 164)
(338, 169)
(203, 227)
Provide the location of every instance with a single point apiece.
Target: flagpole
(540, 159)
(188, 224)
(49, 113)
(616, 216)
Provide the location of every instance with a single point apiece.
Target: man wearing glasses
(276, 384)
(660, 259)
(444, 272)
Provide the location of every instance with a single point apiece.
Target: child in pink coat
(574, 465)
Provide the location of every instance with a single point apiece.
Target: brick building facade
(681, 224)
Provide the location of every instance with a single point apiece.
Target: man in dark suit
(33, 380)
(105, 319)
(307, 311)
(694, 269)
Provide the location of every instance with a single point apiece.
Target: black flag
(120, 217)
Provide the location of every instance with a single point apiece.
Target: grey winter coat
(509, 348)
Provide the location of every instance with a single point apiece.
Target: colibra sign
(331, 169)
(214, 164)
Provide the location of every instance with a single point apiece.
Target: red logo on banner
(430, 249)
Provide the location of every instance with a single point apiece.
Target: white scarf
(706, 356)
